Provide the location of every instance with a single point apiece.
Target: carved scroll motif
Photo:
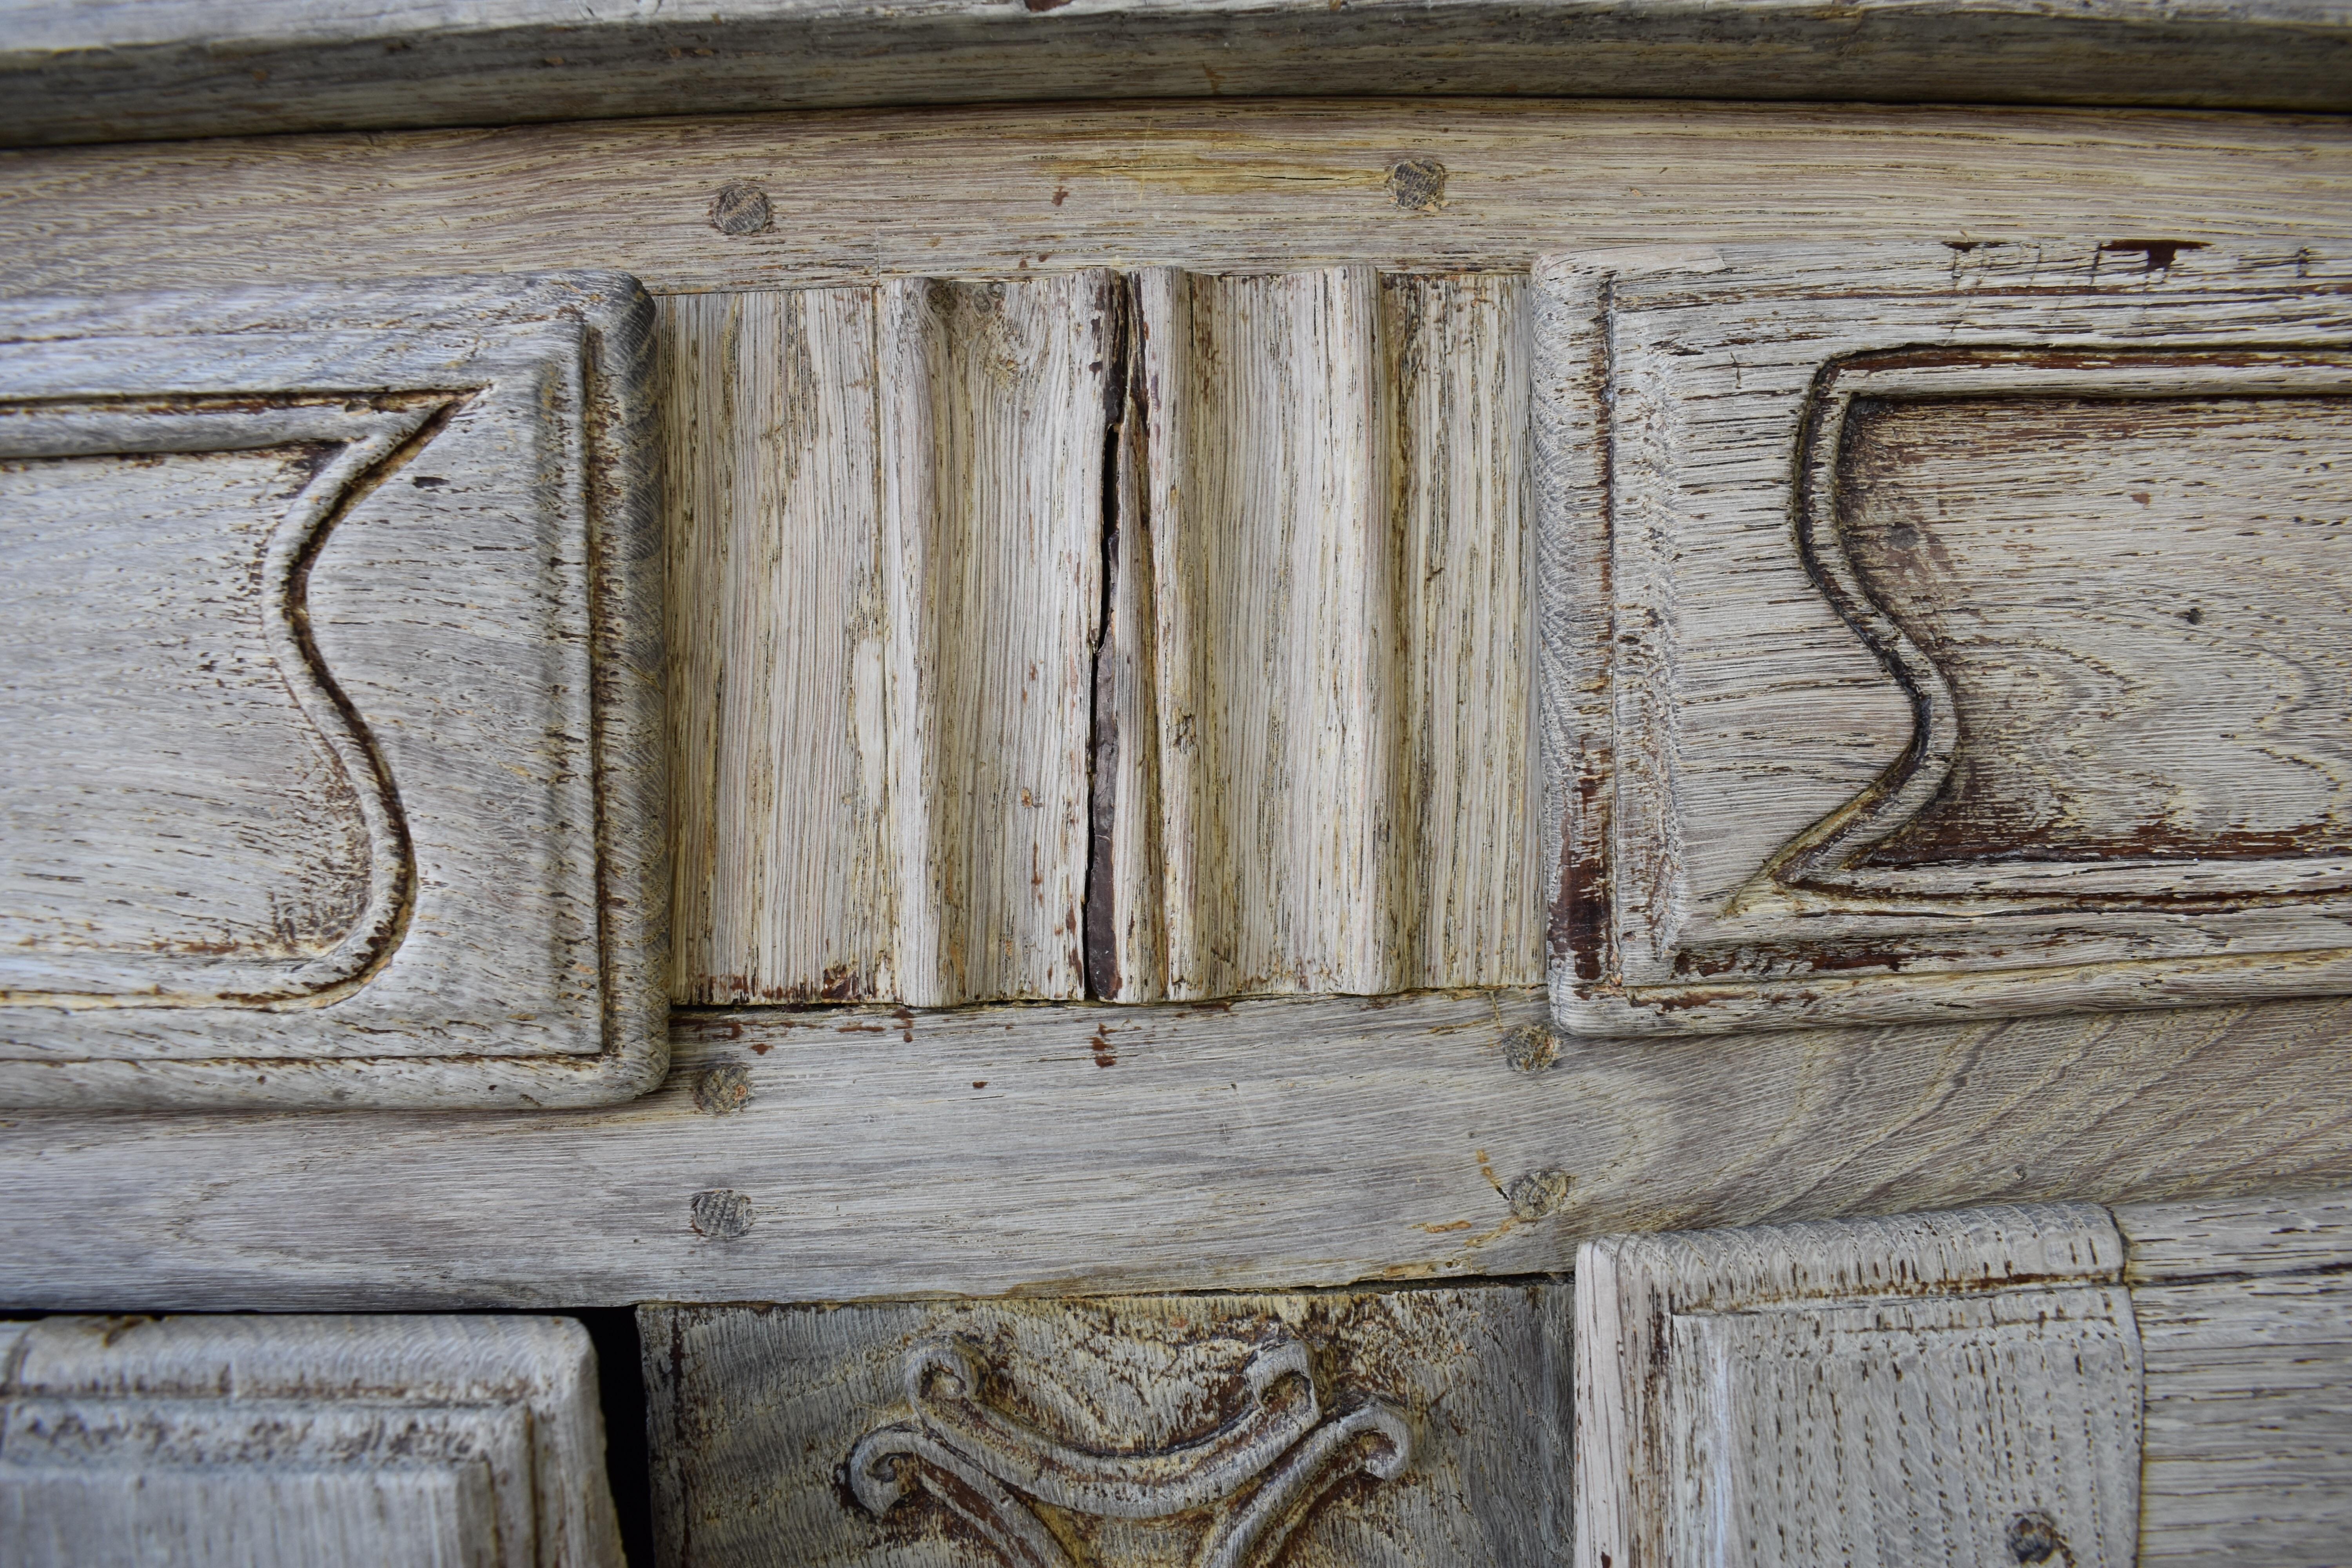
(1275, 1453)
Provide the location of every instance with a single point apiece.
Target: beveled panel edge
(624, 610)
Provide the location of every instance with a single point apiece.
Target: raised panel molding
(1944, 630)
(1957, 1388)
(1360, 1427)
(1154, 638)
(2169, 1382)
(333, 773)
(291, 1442)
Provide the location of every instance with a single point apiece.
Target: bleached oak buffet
(1067, 784)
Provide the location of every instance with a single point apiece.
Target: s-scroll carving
(1263, 1467)
(207, 819)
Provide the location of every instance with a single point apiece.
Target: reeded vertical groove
(885, 520)
(1157, 640)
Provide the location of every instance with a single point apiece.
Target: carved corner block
(1933, 632)
(1949, 1388)
(303, 1440)
(331, 676)
(1414, 1426)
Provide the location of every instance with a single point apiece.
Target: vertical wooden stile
(886, 517)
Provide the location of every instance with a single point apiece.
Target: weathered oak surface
(1327, 524)
(329, 686)
(2041, 705)
(140, 67)
(1387, 1427)
(297, 1442)
(1051, 1150)
(979, 192)
(2246, 1323)
(1946, 1388)
(885, 516)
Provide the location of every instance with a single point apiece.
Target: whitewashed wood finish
(1236, 187)
(340, 787)
(1357, 1427)
(2246, 1322)
(2040, 709)
(302, 1441)
(886, 519)
(137, 67)
(845, 1153)
(1930, 1388)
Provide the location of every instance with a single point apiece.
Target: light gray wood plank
(290, 1440)
(1959, 1387)
(105, 71)
(779, 747)
(1144, 1431)
(1975, 734)
(994, 400)
(1240, 188)
(2247, 1325)
(333, 681)
(861, 1153)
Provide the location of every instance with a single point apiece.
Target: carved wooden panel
(1358, 1428)
(1163, 636)
(327, 669)
(302, 1443)
(1945, 630)
(1953, 1388)
(886, 515)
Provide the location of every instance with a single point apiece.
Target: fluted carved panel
(1142, 638)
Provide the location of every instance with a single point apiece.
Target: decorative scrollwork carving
(1275, 1453)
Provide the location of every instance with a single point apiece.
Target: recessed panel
(329, 676)
(1943, 631)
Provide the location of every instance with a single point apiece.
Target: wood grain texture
(108, 71)
(333, 685)
(279, 1517)
(304, 1440)
(1932, 1389)
(1308, 717)
(1330, 488)
(2247, 1326)
(833, 1155)
(779, 648)
(1146, 1431)
(979, 192)
(887, 519)
(1277, 648)
(1972, 738)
